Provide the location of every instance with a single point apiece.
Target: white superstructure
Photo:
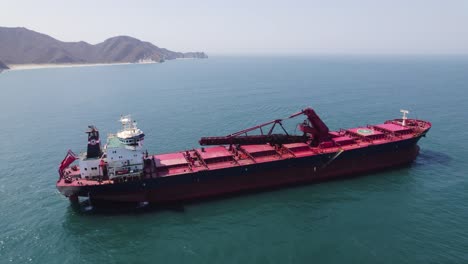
(125, 150)
(122, 156)
(89, 167)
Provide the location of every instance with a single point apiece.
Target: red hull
(234, 167)
(277, 178)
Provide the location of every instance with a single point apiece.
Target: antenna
(405, 112)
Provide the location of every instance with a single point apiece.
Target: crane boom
(314, 131)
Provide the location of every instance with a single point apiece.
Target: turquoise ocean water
(411, 215)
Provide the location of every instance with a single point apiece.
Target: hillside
(3, 66)
(24, 46)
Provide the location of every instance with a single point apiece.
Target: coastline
(31, 66)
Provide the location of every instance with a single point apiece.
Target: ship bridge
(130, 134)
(125, 149)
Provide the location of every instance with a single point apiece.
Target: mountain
(3, 66)
(24, 46)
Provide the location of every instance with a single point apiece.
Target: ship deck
(221, 157)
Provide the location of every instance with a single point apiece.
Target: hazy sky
(328, 26)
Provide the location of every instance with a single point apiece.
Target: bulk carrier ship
(122, 171)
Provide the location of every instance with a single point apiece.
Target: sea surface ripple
(417, 214)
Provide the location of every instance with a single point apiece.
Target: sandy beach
(15, 67)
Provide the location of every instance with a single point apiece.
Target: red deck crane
(314, 131)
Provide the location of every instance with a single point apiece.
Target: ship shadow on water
(427, 156)
(89, 207)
